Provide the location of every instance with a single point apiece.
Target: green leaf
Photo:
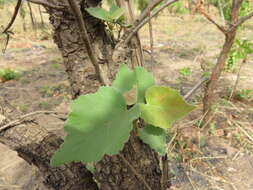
(164, 107)
(99, 13)
(155, 137)
(116, 12)
(99, 124)
(127, 78)
(144, 80)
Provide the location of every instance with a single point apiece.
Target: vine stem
(86, 39)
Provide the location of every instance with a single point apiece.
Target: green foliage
(164, 107)
(178, 7)
(113, 15)
(186, 71)
(155, 137)
(22, 12)
(142, 4)
(100, 123)
(225, 6)
(240, 50)
(8, 74)
(244, 94)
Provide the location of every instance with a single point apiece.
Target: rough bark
(36, 145)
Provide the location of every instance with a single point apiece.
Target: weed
(49, 91)
(185, 72)
(56, 60)
(244, 94)
(22, 107)
(213, 128)
(44, 105)
(56, 65)
(8, 74)
(240, 50)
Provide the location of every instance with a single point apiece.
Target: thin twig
(151, 40)
(135, 172)
(141, 21)
(196, 87)
(12, 123)
(243, 130)
(221, 28)
(86, 39)
(140, 58)
(237, 79)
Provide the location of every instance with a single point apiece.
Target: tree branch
(144, 18)
(208, 17)
(13, 18)
(48, 5)
(242, 20)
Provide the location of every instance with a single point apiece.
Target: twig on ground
(243, 130)
(21, 118)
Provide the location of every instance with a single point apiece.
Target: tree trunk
(137, 167)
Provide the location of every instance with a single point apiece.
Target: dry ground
(222, 160)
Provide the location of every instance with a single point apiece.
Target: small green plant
(49, 91)
(8, 74)
(240, 50)
(44, 105)
(113, 15)
(244, 94)
(100, 123)
(178, 8)
(185, 72)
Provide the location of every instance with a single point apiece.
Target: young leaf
(164, 106)
(155, 137)
(144, 80)
(127, 78)
(115, 12)
(99, 124)
(99, 13)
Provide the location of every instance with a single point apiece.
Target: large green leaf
(155, 137)
(164, 106)
(126, 79)
(99, 124)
